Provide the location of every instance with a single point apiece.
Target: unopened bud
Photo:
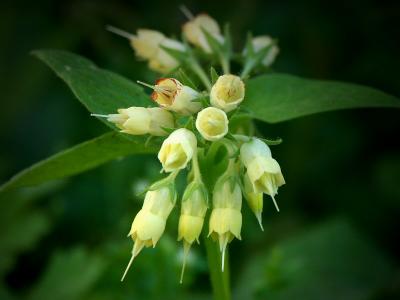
(261, 42)
(193, 31)
(149, 223)
(146, 43)
(226, 216)
(254, 200)
(148, 46)
(264, 172)
(177, 150)
(140, 120)
(194, 207)
(212, 123)
(227, 93)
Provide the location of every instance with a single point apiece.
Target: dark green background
(336, 236)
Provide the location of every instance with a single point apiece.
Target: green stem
(201, 74)
(196, 168)
(225, 64)
(248, 67)
(219, 279)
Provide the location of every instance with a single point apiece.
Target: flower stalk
(220, 281)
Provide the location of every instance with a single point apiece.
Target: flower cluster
(196, 124)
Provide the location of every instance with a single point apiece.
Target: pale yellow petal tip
(259, 219)
(137, 247)
(275, 203)
(186, 248)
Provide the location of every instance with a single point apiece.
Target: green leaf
(280, 97)
(329, 262)
(78, 159)
(100, 91)
(69, 275)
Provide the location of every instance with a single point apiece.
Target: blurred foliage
(67, 239)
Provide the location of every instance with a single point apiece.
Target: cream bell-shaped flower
(177, 150)
(149, 223)
(263, 41)
(148, 46)
(140, 120)
(226, 216)
(227, 93)
(194, 33)
(172, 95)
(162, 61)
(253, 199)
(263, 171)
(146, 43)
(193, 211)
(212, 123)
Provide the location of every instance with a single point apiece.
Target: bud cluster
(248, 167)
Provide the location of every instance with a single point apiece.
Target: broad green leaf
(69, 275)
(79, 158)
(330, 262)
(279, 97)
(100, 91)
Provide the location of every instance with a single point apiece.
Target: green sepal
(177, 54)
(168, 130)
(272, 142)
(214, 75)
(204, 99)
(215, 45)
(192, 187)
(253, 60)
(185, 79)
(167, 182)
(248, 51)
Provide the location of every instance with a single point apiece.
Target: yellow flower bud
(193, 210)
(261, 42)
(147, 43)
(193, 31)
(212, 123)
(162, 61)
(227, 93)
(177, 150)
(226, 217)
(263, 171)
(173, 95)
(140, 120)
(254, 200)
(149, 223)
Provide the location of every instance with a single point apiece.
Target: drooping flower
(149, 223)
(263, 171)
(177, 150)
(140, 120)
(193, 31)
(226, 216)
(253, 199)
(227, 93)
(148, 45)
(212, 123)
(193, 211)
